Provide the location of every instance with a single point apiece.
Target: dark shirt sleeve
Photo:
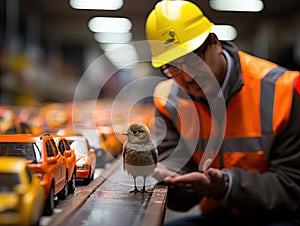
(277, 190)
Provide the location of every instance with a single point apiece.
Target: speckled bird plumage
(139, 153)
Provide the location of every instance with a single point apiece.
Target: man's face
(199, 73)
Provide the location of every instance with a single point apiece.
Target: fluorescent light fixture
(97, 4)
(109, 24)
(105, 37)
(225, 32)
(237, 5)
(110, 46)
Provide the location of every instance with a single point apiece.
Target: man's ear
(215, 41)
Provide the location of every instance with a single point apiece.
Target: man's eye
(175, 69)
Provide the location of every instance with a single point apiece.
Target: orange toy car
(85, 158)
(44, 160)
(21, 195)
(70, 160)
(109, 140)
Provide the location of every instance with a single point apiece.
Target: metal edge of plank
(82, 196)
(156, 208)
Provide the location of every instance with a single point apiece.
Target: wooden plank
(107, 201)
(111, 208)
(156, 208)
(59, 219)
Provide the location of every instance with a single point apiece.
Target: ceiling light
(109, 24)
(105, 37)
(97, 4)
(110, 46)
(225, 32)
(237, 5)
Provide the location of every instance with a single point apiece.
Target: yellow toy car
(21, 195)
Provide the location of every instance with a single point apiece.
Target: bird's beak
(125, 133)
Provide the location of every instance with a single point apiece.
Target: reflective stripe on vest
(267, 98)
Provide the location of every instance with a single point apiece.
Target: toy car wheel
(72, 183)
(64, 192)
(88, 179)
(93, 175)
(49, 205)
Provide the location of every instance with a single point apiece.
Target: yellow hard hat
(175, 28)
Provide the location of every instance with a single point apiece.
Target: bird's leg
(144, 186)
(135, 188)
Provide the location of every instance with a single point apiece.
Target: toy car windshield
(8, 181)
(78, 146)
(27, 150)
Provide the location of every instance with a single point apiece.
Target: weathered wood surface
(107, 201)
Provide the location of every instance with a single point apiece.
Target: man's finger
(186, 178)
(215, 174)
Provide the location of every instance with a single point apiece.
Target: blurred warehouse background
(46, 46)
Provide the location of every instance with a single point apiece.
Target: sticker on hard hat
(170, 37)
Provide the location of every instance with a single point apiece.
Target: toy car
(109, 140)
(21, 195)
(94, 140)
(70, 160)
(85, 158)
(44, 160)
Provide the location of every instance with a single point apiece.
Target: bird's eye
(135, 132)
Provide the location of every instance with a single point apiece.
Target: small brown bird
(139, 153)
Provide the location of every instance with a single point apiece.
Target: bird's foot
(143, 190)
(135, 190)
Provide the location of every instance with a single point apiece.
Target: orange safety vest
(254, 116)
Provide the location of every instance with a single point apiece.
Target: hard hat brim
(178, 50)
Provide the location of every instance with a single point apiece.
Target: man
(227, 124)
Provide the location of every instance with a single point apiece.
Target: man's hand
(161, 172)
(210, 183)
